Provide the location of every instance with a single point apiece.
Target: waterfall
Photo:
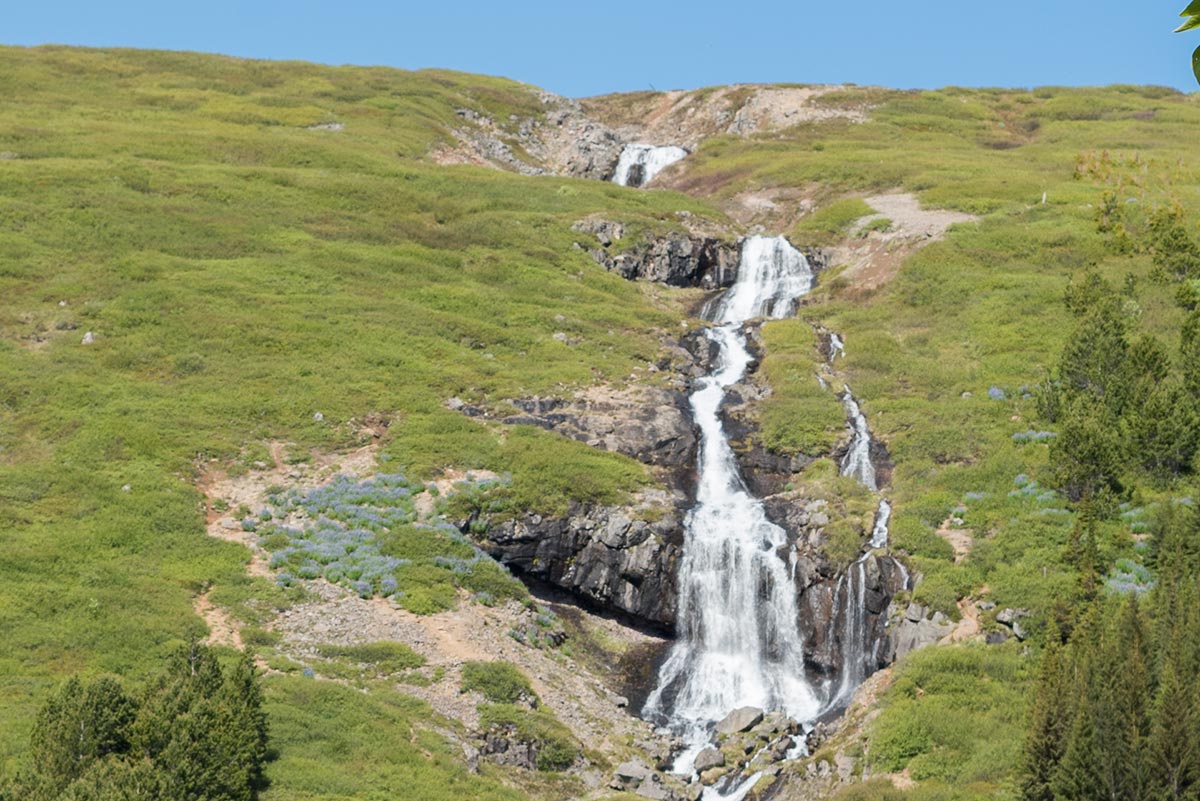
(739, 638)
(879, 534)
(849, 617)
(836, 346)
(638, 164)
(857, 461)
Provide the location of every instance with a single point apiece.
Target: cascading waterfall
(739, 639)
(638, 164)
(849, 618)
(836, 346)
(857, 461)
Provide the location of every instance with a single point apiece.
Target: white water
(836, 346)
(739, 639)
(857, 461)
(879, 534)
(648, 160)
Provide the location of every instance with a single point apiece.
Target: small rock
(328, 126)
(915, 612)
(88, 338)
(996, 637)
(986, 606)
(62, 304)
(620, 701)
(740, 720)
(966, 394)
(1019, 631)
(818, 520)
(995, 393)
(472, 755)
(454, 404)
(653, 790)
(260, 465)
(709, 758)
(561, 337)
(318, 417)
(126, 488)
(7, 155)
(631, 772)
(1010, 616)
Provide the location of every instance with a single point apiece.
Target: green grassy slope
(241, 273)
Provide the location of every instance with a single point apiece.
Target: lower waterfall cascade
(740, 641)
(638, 164)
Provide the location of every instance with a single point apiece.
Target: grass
(242, 273)
(954, 717)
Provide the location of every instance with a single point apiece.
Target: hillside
(223, 282)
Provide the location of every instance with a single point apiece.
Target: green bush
(557, 748)
(383, 656)
(498, 682)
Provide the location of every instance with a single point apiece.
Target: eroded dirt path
(874, 259)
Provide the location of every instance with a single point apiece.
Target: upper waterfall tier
(772, 275)
(638, 164)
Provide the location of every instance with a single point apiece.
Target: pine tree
(1125, 689)
(1164, 430)
(1086, 457)
(78, 725)
(1049, 725)
(1172, 748)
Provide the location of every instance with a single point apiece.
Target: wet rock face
(676, 260)
(608, 556)
(819, 609)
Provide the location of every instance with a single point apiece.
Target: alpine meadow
(378, 434)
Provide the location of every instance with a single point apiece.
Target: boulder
(709, 758)
(740, 720)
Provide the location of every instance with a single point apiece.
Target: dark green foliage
(498, 682)
(196, 732)
(1175, 252)
(1113, 717)
(1117, 403)
(79, 725)
(1048, 726)
(1086, 456)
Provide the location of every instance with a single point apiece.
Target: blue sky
(584, 48)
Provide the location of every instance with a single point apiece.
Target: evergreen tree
(1086, 456)
(1165, 430)
(78, 725)
(1050, 723)
(198, 734)
(1172, 748)
(1125, 689)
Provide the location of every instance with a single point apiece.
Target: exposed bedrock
(682, 259)
(608, 556)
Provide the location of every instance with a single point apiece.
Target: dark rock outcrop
(678, 259)
(619, 558)
(823, 606)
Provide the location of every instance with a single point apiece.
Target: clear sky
(585, 48)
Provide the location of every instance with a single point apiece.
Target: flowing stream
(739, 638)
(638, 164)
(740, 642)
